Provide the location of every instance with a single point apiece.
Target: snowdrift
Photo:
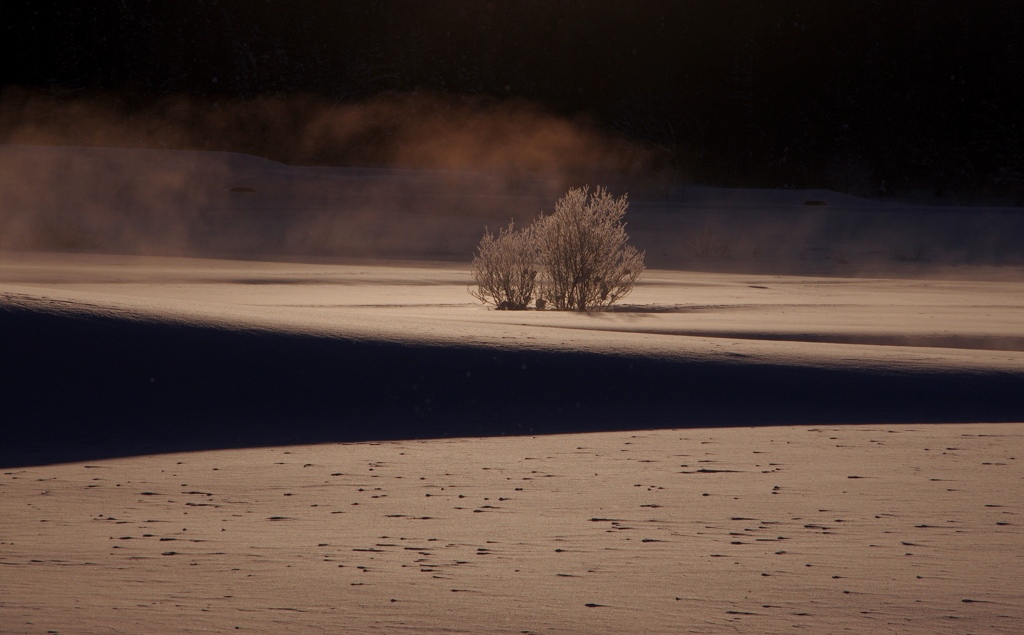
(114, 354)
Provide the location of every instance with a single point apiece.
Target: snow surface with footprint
(322, 439)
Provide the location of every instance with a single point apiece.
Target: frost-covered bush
(575, 259)
(505, 268)
(584, 255)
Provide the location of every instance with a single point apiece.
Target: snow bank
(192, 354)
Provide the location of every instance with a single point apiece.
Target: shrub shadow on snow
(659, 308)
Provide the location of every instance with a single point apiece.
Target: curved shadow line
(80, 386)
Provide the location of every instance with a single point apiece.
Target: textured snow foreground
(194, 445)
(893, 528)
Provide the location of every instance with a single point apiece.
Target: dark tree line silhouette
(866, 97)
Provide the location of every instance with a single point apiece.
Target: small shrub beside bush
(505, 268)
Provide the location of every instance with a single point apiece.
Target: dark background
(871, 97)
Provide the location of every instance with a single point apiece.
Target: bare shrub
(583, 254)
(706, 245)
(515, 176)
(505, 268)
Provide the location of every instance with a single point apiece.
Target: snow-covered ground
(823, 529)
(343, 439)
(119, 370)
(205, 351)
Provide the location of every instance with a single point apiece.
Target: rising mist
(84, 173)
(413, 176)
